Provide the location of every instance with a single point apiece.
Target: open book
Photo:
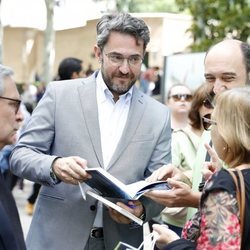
(121, 210)
(107, 185)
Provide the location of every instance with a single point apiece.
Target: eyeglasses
(15, 102)
(118, 59)
(206, 122)
(178, 97)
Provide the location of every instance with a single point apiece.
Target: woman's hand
(212, 166)
(164, 235)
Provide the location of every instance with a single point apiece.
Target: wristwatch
(53, 176)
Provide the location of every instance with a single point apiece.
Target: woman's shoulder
(185, 136)
(220, 180)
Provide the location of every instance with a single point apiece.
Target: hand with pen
(134, 207)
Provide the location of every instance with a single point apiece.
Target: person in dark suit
(11, 234)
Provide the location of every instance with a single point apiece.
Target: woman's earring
(226, 148)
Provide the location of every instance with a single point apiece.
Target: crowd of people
(193, 141)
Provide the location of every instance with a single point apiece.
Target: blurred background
(35, 35)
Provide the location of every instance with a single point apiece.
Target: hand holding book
(106, 185)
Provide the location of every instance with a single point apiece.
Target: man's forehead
(224, 62)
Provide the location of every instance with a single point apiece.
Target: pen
(82, 191)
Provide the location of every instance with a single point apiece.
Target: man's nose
(19, 115)
(124, 67)
(219, 87)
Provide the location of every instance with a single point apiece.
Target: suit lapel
(135, 114)
(87, 94)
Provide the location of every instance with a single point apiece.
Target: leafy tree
(146, 5)
(214, 20)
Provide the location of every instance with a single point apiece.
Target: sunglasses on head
(179, 97)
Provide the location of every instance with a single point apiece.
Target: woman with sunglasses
(219, 225)
(179, 102)
(185, 142)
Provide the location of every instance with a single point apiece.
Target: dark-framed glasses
(207, 123)
(14, 102)
(179, 97)
(118, 59)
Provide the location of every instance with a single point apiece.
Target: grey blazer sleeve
(35, 144)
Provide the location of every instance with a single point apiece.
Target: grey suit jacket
(65, 123)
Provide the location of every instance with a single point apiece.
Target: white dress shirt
(112, 119)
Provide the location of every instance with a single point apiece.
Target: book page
(139, 188)
(107, 185)
(117, 208)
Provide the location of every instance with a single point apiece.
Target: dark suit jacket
(11, 234)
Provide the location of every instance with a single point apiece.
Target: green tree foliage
(146, 5)
(217, 19)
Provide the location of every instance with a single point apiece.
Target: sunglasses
(15, 102)
(207, 103)
(207, 123)
(179, 97)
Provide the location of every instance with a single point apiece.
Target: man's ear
(98, 53)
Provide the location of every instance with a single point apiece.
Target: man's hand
(164, 172)
(71, 169)
(134, 207)
(181, 195)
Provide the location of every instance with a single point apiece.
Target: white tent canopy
(32, 13)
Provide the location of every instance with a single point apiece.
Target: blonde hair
(232, 114)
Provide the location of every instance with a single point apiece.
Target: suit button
(92, 207)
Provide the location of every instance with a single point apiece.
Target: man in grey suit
(102, 121)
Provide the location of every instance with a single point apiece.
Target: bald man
(227, 65)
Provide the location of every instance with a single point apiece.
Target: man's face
(119, 75)
(9, 120)
(224, 66)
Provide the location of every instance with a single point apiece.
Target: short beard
(119, 90)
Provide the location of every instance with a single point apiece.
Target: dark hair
(245, 48)
(68, 66)
(202, 93)
(123, 23)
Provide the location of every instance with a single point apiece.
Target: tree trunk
(1, 38)
(49, 43)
